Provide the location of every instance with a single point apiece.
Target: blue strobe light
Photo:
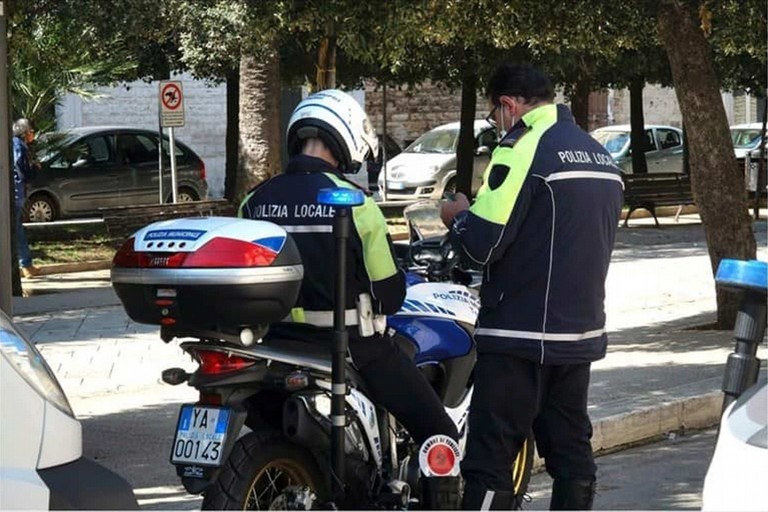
(743, 275)
(340, 197)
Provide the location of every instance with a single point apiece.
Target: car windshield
(613, 142)
(50, 144)
(435, 141)
(745, 138)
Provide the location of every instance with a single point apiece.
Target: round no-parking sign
(171, 104)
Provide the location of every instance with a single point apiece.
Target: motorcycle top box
(208, 273)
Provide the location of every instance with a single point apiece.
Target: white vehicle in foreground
(41, 447)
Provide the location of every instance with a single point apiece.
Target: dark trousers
(513, 396)
(396, 384)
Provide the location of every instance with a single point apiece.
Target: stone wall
(136, 105)
(659, 106)
(413, 111)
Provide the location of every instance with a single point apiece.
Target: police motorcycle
(284, 423)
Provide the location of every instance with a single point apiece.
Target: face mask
(501, 131)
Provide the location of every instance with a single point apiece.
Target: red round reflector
(441, 459)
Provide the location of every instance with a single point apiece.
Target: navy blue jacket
(543, 225)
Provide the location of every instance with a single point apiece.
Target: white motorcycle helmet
(340, 122)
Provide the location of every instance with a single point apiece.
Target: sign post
(6, 178)
(171, 116)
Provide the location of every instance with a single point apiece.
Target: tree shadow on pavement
(136, 444)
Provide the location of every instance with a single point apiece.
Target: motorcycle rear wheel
(261, 466)
(521, 469)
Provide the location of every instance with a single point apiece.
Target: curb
(645, 424)
(80, 266)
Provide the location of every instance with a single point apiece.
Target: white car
(41, 457)
(427, 168)
(746, 138)
(736, 476)
(663, 146)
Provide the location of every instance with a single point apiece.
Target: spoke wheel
(272, 481)
(521, 469)
(262, 466)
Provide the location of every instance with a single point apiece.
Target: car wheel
(450, 189)
(41, 208)
(187, 195)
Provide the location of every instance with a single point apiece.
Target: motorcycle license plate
(201, 434)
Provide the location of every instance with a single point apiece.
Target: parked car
(369, 178)
(427, 168)
(663, 146)
(41, 458)
(85, 169)
(746, 138)
(736, 476)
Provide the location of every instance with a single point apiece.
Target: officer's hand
(449, 209)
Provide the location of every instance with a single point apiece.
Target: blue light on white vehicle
(740, 274)
(340, 197)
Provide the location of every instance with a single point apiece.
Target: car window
(487, 138)
(167, 151)
(745, 138)
(135, 149)
(668, 138)
(613, 142)
(650, 144)
(93, 150)
(436, 141)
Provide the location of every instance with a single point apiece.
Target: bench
(123, 221)
(651, 190)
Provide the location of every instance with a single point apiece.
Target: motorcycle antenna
(342, 199)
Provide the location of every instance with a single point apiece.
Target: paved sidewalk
(658, 375)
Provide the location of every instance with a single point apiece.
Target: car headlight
(29, 363)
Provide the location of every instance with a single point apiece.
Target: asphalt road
(132, 434)
(665, 475)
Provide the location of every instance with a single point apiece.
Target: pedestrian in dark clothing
(543, 227)
(23, 135)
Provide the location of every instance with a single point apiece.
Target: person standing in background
(23, 135)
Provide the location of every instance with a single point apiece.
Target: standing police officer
(543, 227)
(330, 134)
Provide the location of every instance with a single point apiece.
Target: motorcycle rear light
(202, 170)
(441, 459)
(209, 399)
(127, 257)
(215, 362)
(228, 253)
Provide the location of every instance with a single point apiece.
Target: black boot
(440, 493)
(572, 494)
(477, 497)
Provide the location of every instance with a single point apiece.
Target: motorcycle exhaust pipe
(301, 427)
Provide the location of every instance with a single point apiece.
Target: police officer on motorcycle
(543, 227)
(328, 135)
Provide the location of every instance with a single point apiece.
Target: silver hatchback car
(427, 168)
(85, 169)
(663, 147)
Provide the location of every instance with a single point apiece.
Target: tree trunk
(637, 120)
(260, 137)
(580, 104)
(465, 151)
(326, 59)
(717, 181)
(233, 135)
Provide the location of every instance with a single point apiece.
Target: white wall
(136, 104)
